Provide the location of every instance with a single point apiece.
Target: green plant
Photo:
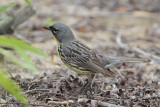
(24, 61)
(20, 48)
(5, 7)
(12, 87)
(49, 21)
(28, 2)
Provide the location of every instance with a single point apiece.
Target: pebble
(147, 96)
(133, 97)
(108, 87)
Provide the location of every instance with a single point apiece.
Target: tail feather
(132, 60)
(112, 61)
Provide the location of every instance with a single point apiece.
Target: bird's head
(61, 32)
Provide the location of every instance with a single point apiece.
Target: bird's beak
(46, 27)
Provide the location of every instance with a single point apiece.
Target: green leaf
(23, 64)
(27, 60)
(28, 2)
(16, 43)
(5, 7)
(20, 48)
(12, 87)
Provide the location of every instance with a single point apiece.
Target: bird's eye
(55, 31)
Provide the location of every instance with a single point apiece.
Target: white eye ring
(55, 31)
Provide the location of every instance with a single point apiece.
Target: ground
(121, 28)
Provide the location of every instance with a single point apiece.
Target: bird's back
(81, 59)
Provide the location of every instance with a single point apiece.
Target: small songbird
(76, 55)
(80, 58)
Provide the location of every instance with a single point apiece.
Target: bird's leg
(89, 84)
(90, 78)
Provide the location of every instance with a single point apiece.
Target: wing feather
(78, 54)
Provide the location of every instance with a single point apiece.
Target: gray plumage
(110, 61)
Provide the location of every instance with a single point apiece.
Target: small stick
(97, 103)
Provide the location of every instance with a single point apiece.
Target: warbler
(76, 55)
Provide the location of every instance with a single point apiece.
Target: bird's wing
(80, 55)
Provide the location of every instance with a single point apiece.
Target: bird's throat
(56, 40)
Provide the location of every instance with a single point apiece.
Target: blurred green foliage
(49, 22)
(28, 2)
(24, 61)
(20, 48)
(12, 87)
(5, 7)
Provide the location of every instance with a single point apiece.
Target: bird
(76, 55)
(80, 58)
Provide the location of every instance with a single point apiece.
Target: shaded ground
(96, 24)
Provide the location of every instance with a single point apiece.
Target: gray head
(61, 32)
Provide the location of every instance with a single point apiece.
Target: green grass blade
(5, 7)
(14, 43)
(12, 87)
(20, 47)
(26, 59)
(28, 2)
(17, 61)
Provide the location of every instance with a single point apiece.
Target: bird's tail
(132, 60)
(108, 61)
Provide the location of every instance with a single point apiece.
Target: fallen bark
(96, 103)
(12, 21)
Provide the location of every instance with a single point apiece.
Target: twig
(61, 102)
(135, 49)
(47, 91)
(29, 91)
(41, 105)
(97, 103)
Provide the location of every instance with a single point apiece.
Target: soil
(97, 23)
